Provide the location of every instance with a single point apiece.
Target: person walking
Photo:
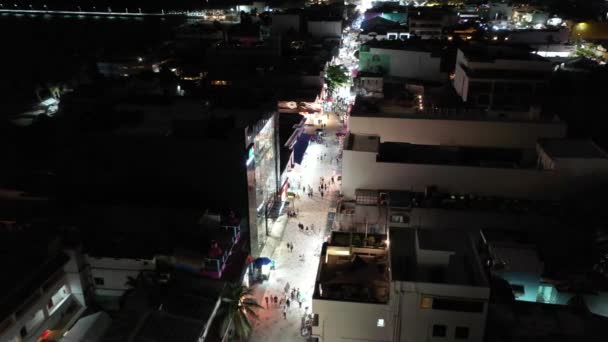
(284, 312)
(266, 302)
(288, 245)
(287, 302)
(291, 247)
(276, 300)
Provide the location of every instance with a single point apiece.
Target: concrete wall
(413, 64)
(350, 321)
(282, 23)
(36, 318)
(324, 29)
(77, 280)
(471, 220)
(116, 272)
(416, 323)
(361, 171)
(431, 257)
(461, 81)
(457, 132)
(560, 36)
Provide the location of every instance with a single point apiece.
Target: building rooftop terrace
(439, 104)
(572, 148)
(480, 52)
(434, 256)
(412, 44)
(354, 268)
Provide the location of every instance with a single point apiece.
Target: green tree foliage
(239, 307)
(336, 76)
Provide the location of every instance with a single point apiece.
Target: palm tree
(238, 308)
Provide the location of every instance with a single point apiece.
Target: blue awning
(300, 148)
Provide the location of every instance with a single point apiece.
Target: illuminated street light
(581, 26)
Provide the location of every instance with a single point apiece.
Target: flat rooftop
(482, 52)
(539, 322)
(184, 117)
(506, 74)
(419, 45)
(400, 104)
(572, 149)
(363, 143)
(354, 269)
(415, 253)
(392, 152)
(160, 326)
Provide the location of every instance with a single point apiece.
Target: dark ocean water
(38, 49)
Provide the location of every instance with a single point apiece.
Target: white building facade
(50, 308)
(500, 78)
(422, 305)
(404, 61)
(438, 131)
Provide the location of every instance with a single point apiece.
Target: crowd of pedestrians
(286, 301)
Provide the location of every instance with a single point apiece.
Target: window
(426, 303)
(462, 333)
(380, 323)
(315, 320)
(439, 330)
(397, 218)
(99, 281)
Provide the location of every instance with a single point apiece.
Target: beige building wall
(351, 321)
(457, 132)
(361, 171)
(416, 323)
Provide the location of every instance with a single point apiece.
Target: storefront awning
(300, 148)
